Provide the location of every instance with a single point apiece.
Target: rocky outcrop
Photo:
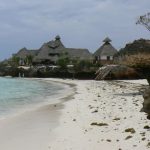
(138, 46)
(146, 103)
(116, 72)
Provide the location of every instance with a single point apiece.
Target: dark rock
(146, 127)
(74, 119)
(108, 140)
(116, 72)
(146, 103)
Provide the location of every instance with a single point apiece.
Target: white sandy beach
(68, 125)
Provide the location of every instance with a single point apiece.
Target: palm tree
(15, 61)
(29, 60)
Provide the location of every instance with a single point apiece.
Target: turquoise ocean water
(17, 94)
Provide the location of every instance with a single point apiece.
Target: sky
(80, 23)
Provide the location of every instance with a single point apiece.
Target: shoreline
(76, 122)
(29, 122)
(50, 100)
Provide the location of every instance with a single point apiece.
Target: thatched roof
(53, 49)
(106, 49)
(22, 53)
(82, 54)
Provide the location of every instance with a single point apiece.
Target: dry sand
(94, 119)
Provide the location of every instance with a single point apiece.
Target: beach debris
(99, 124)
(122, 86)
(128, 137)
(143, 139)
(116, 119)
(91, 107)
(142, 134)
(108, 140)
(74, 119)
(131, 130)
(95, 111)
(146, 127)
(98, 95)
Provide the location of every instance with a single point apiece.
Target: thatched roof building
(22, 53)
(105, 53)
(51, 51)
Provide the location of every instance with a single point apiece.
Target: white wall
(105, 57)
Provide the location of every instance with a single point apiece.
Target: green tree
(29, 60)
(63, 61)
(15, 61)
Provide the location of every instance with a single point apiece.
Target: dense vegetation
(64, 68)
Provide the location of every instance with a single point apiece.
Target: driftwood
(104, 71)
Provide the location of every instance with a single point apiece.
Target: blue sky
(80, 23)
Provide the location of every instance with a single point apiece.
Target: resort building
(52, 51)
(105, 54)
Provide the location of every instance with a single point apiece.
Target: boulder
(146, 103)
(116, 72)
